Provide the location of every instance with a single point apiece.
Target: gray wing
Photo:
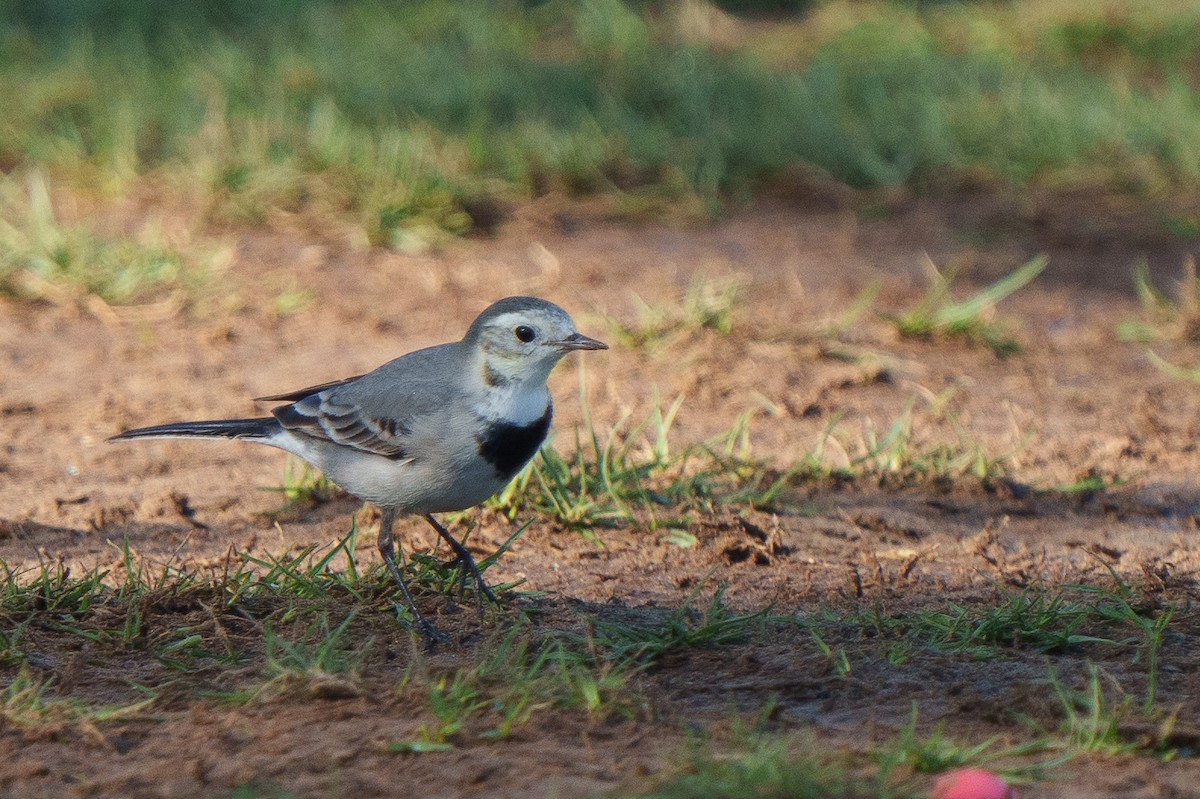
(293, 396)
(377, 412)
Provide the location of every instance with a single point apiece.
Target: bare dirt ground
(1074, 402)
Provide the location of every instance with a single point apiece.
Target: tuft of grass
(50, 588)
(28, 701)
(120, 597)
(1165, 318)
(895, 456)
(708, 303)
(322, 660)
(635, 474)
(763, 766)
(938, 315)
(302, 485)
(1103, 719)
(681, 629)
(427, 572)
(188, 648)
(124, 606)
(1088, 483)
(293, 299)
(261, 790)
(750, 761)
(42, 258)
(1048, 623)
(1067, 621)
(938, 753)
(518, 675)
(1117, 606)
(836, 656)
(1190, 374)
(12, 652)
(838, 326)
(305, 574)
(915, 448)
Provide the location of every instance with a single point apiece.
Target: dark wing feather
(300, 394)
(322, 417)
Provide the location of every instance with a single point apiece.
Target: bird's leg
(387, 548)
(463, 556)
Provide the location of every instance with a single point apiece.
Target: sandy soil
(1075, 402)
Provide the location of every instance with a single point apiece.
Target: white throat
(512, 391)
(516, 403)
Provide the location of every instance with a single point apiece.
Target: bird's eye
(524, 333)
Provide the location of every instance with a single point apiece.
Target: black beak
(578, 341)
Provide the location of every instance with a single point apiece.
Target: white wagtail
(437, 430)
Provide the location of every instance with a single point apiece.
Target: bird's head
(520, 339)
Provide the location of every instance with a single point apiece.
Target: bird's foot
(431, 636)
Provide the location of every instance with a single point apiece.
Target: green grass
(1072, 619)
(903, 453)
(43, 258)
(320, 649)
(681, 629)
(1070, 622)
(1039, 621)
(302, 485)
(767, 767)
(752, 761)
(707, 304)
(304, 626)
(1089, 482)
(636, 474)
(1189, 373)
(110, 605)
(1102, 718)
(396, 123)
(640, 475)
(518, 674)
(1164, 318)
(938, 315)
(839, 323)
(29, 701)
(938, 752)
(523, 671)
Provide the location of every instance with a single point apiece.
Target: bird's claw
(430, 635)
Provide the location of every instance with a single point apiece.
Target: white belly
(455, 480)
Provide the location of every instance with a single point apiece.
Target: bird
(438, 430)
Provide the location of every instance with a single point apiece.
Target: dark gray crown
(510, 305)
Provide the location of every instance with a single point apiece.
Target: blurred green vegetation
(410, 120)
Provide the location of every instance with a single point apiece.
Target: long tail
(247, 429)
